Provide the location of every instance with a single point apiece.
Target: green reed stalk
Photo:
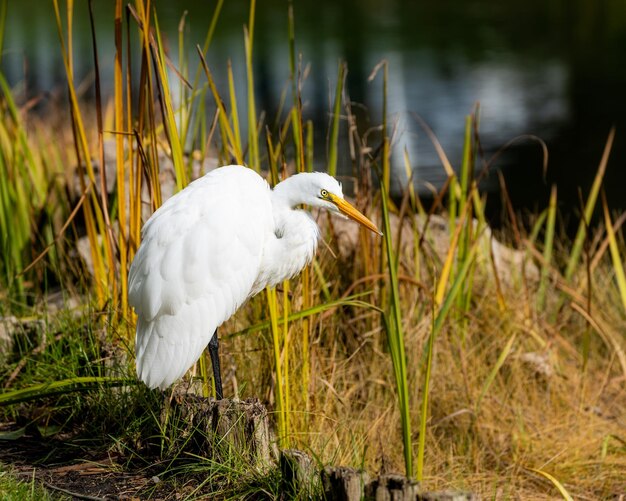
(395, 336)
(438, 324)
(334, 127)
(467, 168)
(23, 188)
(386, 166)
(62, 387)
(577, 247)
(3, 19)
(547, 250)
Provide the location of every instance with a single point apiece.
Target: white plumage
(209, 248)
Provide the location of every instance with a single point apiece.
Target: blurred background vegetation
(550, 68)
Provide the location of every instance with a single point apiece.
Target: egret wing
(199, 258)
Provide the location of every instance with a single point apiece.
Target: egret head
(318, 189)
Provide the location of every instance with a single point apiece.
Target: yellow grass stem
(306, 334)
(285, 356)
(135, 175)
(296, 123)
(616, 258)
(555, 482)
(119, 157)
(108, 237)
(253, 145)
(449, 261)
(309, 146)
(328, 307)
(94, 221)
(233, 108)
(272, 304)
(171, 128)
(227, 131)
(301, 148)
(416, 206)
(146, 113)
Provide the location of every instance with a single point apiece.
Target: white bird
(209, 248)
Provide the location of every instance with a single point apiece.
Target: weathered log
(223, 429)
(341, 483)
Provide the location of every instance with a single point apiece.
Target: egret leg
(215, 361)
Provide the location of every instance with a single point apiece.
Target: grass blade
(438, 323)
(395, 338)
(618, 267)
(555, 482)
(169, 118)
(62, 387)
(506, 351)
(547, 251)
(334, 126)
(577, 247)
(253, 144)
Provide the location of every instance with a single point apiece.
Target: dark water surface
(551, 68)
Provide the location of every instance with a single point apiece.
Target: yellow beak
(347, 209)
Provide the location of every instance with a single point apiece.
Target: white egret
(209, 248)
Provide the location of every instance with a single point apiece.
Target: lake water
(551, 68)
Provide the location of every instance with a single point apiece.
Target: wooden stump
(299, 473)
(223, 429)
(392, 488)
(348, 484)
(341, 483)
(227, 430)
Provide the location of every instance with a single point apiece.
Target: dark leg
(215, 361)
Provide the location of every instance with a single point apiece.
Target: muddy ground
(65, 468)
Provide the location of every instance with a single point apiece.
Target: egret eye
(324, 194)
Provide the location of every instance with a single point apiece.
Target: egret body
(209, 248)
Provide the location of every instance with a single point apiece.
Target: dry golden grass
(542, 411)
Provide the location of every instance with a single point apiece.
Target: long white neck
(295, 237)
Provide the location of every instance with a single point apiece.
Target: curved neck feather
(288, 193)
(294, 242)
